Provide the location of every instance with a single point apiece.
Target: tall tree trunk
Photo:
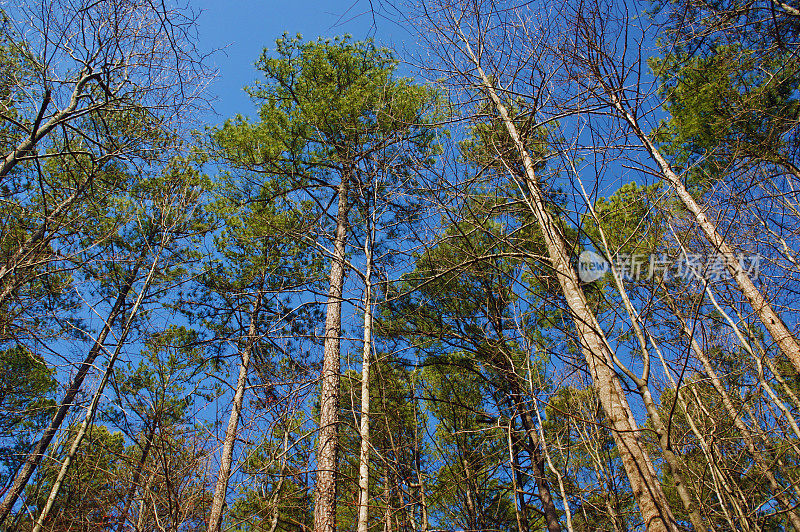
(328, 443)
(674, 463)
(37, 453)
(424, 524)
(531, 444)
(143, 502)
(363, 460)
(221, 489)
(644, 482)
(777, 329)
(520, 508)
(514, 386)
(537, 465)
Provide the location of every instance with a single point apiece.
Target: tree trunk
(363, 464)
(221, 489)
(596, 350)
(328, 444)
(534, 448)
(780, 333)
(35, 456)
(520, 508)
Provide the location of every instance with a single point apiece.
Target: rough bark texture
(221, 489)
(644, 482)
(328, 442)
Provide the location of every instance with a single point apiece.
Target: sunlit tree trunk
(226, 459)
(363, 463)
(328, 441)
(644, 482)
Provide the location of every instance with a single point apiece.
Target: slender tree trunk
(96, 399)
(604, 476)
(514, 387)
(137, 475)
(221, 490)
(520, 508)
(534, 448)
(363, 465)
(424, 524)
(37, 453)
(721, 488)
(277, 490)
(143, 503)
(780, 333)
(644, 482)
(470, 486)
(328, 443)
(674, 463)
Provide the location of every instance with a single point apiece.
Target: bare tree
(93, 85)
(598, 51)
(472, 31)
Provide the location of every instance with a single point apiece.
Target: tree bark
(328, 443)
(221, 489)
(363, 463)
(520, 508)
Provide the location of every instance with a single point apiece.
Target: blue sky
(241, 29)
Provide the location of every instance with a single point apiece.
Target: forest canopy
(536, 272)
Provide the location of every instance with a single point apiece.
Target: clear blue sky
(241, 29)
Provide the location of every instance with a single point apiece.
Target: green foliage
(27, 387)
(630, 220)
(728, 107)
(92, 488)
